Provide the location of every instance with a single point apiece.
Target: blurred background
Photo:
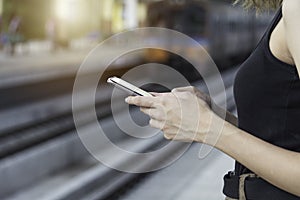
(42, 45)
(68, 22)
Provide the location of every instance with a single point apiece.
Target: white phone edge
(128, 87)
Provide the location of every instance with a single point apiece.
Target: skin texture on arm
(232, 119)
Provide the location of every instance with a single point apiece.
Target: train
(227, 32)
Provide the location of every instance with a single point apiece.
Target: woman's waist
(253, 187)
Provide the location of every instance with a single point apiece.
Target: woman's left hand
(183, 114)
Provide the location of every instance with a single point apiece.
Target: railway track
(42, 157)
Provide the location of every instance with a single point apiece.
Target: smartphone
(128, 87)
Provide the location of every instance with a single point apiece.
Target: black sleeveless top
(267, 94)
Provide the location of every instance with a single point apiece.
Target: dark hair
(260, 4)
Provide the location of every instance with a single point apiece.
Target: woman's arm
(183, 116)
(278, 166)
(231, 118)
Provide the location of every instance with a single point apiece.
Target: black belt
(255, 189)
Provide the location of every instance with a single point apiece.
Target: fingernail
(127, 99)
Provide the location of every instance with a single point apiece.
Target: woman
(266, 143)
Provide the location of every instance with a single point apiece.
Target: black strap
(255, 189)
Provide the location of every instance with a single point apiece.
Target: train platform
(45, 65)
(42, 57)
(36, 61)
(15, 68)
(38, 54)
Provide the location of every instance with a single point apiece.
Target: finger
(184, 89)
(153, 113)
(178, 137)
(168, 136)
(141, 101)
(201, 95)
(190, 89)
(156, 124)
(156, 94)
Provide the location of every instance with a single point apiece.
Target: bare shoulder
(291, 10)
(291, 16)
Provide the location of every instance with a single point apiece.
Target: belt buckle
(231, 173)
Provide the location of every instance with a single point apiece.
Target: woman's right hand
(229, 117)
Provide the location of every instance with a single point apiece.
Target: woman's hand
(183, 114)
